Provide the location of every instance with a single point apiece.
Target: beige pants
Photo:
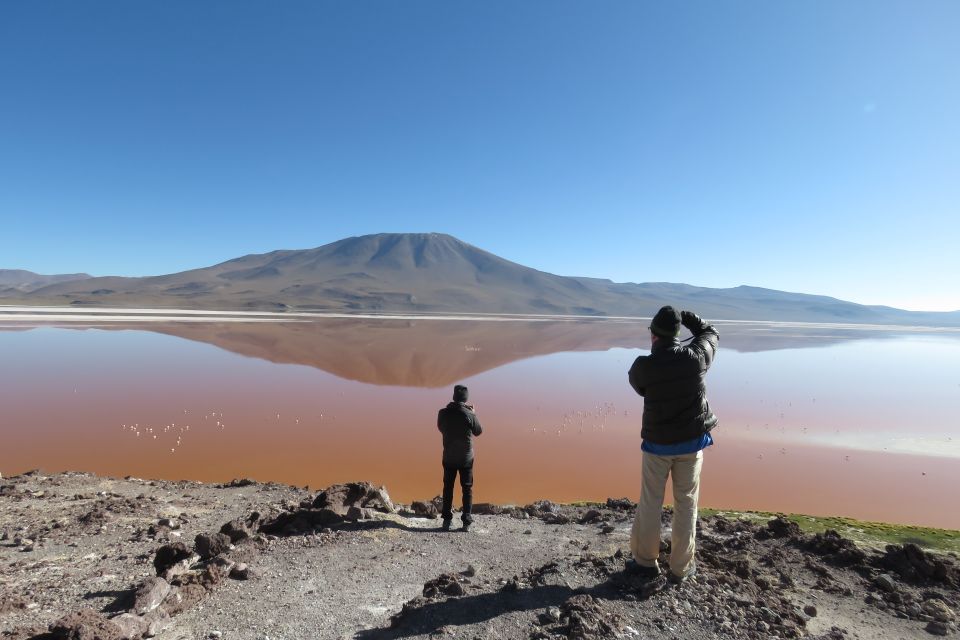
(645, 536)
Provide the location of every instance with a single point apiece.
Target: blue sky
(806, 146)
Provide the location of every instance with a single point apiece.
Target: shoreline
(26, 314)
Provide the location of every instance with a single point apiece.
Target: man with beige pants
(676, 429)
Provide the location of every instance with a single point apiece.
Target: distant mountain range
(18, 281)
(429, 273)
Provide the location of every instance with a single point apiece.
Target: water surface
(814, 418)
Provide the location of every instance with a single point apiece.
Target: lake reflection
(816, 419)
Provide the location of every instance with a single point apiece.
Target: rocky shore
(85, 557)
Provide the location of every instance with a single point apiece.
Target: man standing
(458, 424)
(676, 429)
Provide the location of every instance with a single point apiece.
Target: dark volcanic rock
(620, 504)
(240, 571)
(834, 548)
(446, 584)
(590, 516)
(241, 528)
(169, 555)
(239, 482)
(211, 545)
(781, 527)
(85, 624)
(301, 521)
(486, 509)
(426, 509)
(340, 497)
(916, 566)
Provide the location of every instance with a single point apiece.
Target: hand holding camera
(690, 320)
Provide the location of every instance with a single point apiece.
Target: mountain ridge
(438, 273)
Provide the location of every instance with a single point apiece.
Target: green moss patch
(870, 534)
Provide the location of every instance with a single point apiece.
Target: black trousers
(466, 485)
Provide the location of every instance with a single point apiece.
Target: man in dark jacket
(677, 421)
(458, 424)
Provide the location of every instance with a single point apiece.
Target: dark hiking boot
(632, 568)
(679, 580)
(445, 526)
(465, 527)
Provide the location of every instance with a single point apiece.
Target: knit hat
(460, 393)
(666, 323)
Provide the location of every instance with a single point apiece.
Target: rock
(241, 529)
(446, 584)
(169, 523)
(85, 624)
(486, 509)
(938, 609)
(240, 571)
(554, 518)
(239, 482)
(357, 513)
(937, 628)
(810, 610)
(607, 529)
(425, 509)
(169, 555)
(149, 595)
(781, 527)
(182, 598)
(590, 516)
(471, 571)
(132, 627)
(620, 504)
(553, 613)
(340, 497)
(835, 548)
(541, 506)
(915, 565)
(885, 582)
(211, 545)
(302, 521)
(157, 621)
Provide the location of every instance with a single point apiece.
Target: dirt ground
(85, 557)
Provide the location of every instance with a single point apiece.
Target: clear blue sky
(808, 146)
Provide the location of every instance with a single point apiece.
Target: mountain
(437, 273)
(20, 281)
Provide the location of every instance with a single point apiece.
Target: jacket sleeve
(440, 420)
(705, 341)
(635, 376)
(475, 425)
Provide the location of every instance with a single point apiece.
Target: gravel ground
(347, 563)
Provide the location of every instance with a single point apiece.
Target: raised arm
(705, 337)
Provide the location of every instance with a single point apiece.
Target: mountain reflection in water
(438, 353)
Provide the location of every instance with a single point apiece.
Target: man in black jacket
(458, 424)
(677, 421)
